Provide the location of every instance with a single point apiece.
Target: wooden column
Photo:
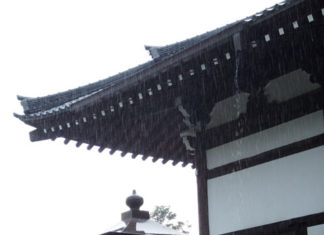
(201, 167)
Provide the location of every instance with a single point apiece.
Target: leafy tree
(163, 215)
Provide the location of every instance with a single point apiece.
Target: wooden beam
(90, 146)
(271, 115)
(161, 130)
(162, 147)
(267, 156)
(177, 152)
(101, 148)
(297, 226)
(131, 141)
(107, 131)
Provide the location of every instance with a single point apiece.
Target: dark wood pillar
(201, 167)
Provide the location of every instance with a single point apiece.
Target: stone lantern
(136, 221)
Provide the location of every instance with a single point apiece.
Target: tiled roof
(51, 103)
(169, 50)
(151, 110)
(158, 52)
(54, 103)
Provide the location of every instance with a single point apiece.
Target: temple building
(242, 104)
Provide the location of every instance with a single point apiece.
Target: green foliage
(163, 215)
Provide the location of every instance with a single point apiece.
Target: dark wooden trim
(297, 226)
(201, 169)
(267, 156)
(271, 115)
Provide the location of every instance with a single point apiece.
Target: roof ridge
(158, 52)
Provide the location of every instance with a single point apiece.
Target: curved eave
(180, 50)
(103, 131)
(140, 81)
(159, 66)
(165, 55)
(40, 104)
(68, 106)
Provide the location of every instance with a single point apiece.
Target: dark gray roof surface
(169, 50)
(158, 52)
(62, 99)
(48, 104)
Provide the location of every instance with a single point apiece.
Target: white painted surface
(228, 109)
(275, 137)
(316, 230)
(281, 89)
(278, 190)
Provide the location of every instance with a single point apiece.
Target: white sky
(50, 46)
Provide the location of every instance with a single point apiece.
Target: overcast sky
(50, 46)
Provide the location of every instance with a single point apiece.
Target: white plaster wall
(316, 230)
(289, 132)
(278, 190)
(280, 89)
(228, 109)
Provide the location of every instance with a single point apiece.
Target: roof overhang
(157, 109)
